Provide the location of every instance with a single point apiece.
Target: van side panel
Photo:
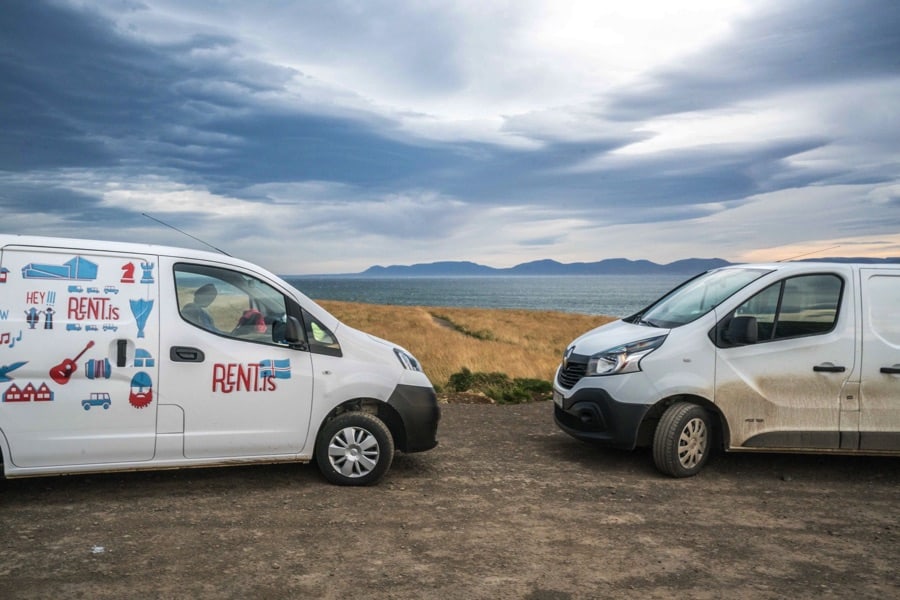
(78, 350)
(879, 415)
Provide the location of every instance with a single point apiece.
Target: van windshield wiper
(648, 323)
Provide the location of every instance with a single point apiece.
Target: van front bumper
(419, 412)
(592, 415)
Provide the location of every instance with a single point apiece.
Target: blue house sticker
(78, 268)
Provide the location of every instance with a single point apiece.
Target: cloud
(381, 132)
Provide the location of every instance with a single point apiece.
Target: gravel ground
(506, 507)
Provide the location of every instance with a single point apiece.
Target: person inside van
(196, 312)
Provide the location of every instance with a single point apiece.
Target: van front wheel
(682, 442)
(354, 448)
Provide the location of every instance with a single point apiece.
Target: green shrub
(500, 387)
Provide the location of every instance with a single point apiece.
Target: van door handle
(828, 368)
(894, 369)
(186, 354)
(121, 352)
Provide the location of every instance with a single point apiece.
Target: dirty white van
(787, 357)
(121, 356)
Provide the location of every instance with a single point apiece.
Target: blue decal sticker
(279, 369)
(147, 268)
(143, 359)
(7, 369)
(97, 399)
(78, 268)
(141, 311)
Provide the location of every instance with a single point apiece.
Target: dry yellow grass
(520, 343)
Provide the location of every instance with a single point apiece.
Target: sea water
(613, 295)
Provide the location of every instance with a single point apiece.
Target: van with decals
(784, 357)
(193, 359)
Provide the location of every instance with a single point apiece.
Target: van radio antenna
(185, 233)
(808, 253)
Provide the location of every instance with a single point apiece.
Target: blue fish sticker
(7, 369)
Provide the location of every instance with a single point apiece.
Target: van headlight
(623, 359)
(408, 361)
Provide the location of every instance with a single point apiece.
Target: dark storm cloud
(79, 95)
(667, 185)
(69, 85)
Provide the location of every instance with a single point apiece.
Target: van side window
(884, 308)
(229, 303)
(794, 307)
(319, 337)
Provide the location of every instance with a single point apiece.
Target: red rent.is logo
(235, 377)
(84, 308)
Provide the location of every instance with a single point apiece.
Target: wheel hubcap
(353, 452)
(692, 443)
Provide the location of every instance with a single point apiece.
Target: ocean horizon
(612, 295)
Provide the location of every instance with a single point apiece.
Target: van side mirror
(294, 333)
(290, 331)
(742, 330)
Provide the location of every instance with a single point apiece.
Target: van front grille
(571, 373)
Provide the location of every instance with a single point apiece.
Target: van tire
(683, 440)
(354, 448)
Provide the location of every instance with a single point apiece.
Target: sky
(326, 137)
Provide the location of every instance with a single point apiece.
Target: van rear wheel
(354, 448)
(682, 441)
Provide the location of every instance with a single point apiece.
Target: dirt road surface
(506, 507)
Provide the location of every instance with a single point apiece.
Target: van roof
(812, 265)
(7, 239)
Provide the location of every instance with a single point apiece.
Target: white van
(786, 357)
(121, 356)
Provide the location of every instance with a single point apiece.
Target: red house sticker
(30, 394)
(13, 394)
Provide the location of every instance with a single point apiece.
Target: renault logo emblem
(566, 356)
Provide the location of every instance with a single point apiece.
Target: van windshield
(696, 297)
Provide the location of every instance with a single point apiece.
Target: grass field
(519, 343)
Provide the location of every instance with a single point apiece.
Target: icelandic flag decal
(279, 369)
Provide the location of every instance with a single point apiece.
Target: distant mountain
(444, 269)
(548, 267)
(612, 266)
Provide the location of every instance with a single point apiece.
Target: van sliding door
(879, 418)
(78, 346)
